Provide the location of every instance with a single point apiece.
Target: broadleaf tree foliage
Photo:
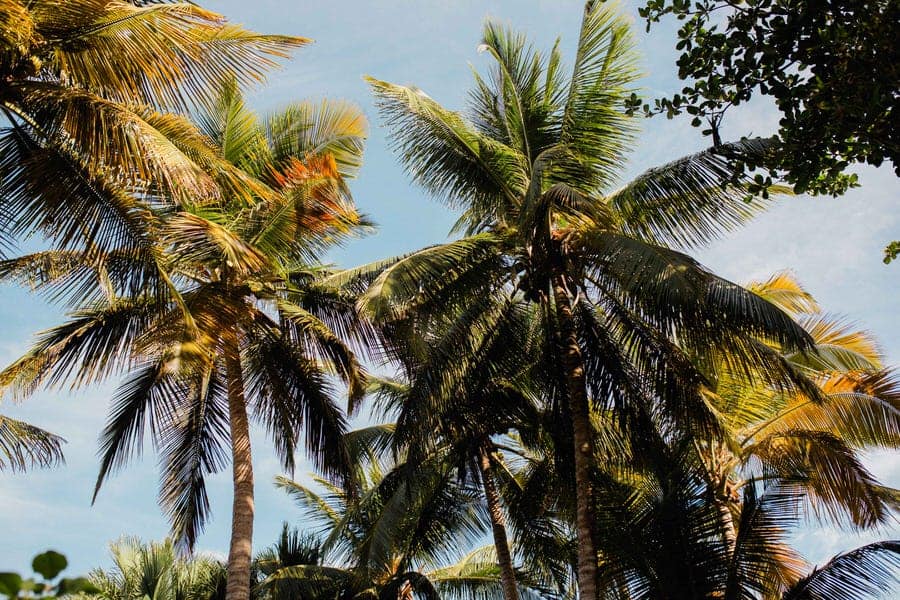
(831, 68)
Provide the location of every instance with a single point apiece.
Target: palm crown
(396, 536)
(780, 434)
(533, 170)
(234, 320)
(89, 142)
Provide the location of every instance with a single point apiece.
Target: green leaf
(49, 564)
(10, 584)
(76, 585)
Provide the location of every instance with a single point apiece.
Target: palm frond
(784, 291)
(131, 145)
(16, 25)
(515, 106)
(320, 341)
(193, 444)
(325, 511)
(23, 446)
(863, 410)
(762, 561)
(866, 573)
(595, 127)
(447, 156)
(172, 55)
(93, 344)
(234, 128)
(293, 398)
(327, 128)
(424, 274)
(838, 346)
(691, 201)
(50, 189)
(148, 397)
(836, 482)
(202, 240)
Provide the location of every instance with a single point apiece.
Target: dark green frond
(693, 200)
(292, 396)
(596, 131)
(447, 156)
(193, 443)
(866, 573)
(23, 446)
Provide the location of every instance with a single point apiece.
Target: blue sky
(833, 246)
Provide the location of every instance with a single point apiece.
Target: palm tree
(791, 436)
(291, 549)
(461, 429)
(662, 538)
(392, 538)
(90, 143)
(156, 571)
(243, 326)
(532, 170)
(23, 445)
(465, 442)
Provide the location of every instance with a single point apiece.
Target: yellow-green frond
(784, 291)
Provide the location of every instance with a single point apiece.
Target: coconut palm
(532, 169)
(461, 429)
(248, 330)
(89, 142)
(466, 441)
(292, 549)
(155, 570)
(23, 445)
(662, 538)
(790, 436)
(393, 537)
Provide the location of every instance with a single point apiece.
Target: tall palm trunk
(573, 371)
(239, 554)
(729, 534)
(498, 525)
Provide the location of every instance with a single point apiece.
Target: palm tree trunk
(239, 555)
(729, 534)
(498, 525)
(573, 371)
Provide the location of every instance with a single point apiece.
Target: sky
(834, 246)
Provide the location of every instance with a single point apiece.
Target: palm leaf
(313, 334)
(446, 155)
(762, 561)
(93, 344)
(838, 346)
(172, 55)
(148, 397)
(293, 398)
(193, 443)
(691, 201)
(323, 510)
(420, 276)
(784, 291)
(869, 572)
(595, 126)
(23, 445)
(837, 483)
(50, 189)
(330, 127)
(863, 410)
